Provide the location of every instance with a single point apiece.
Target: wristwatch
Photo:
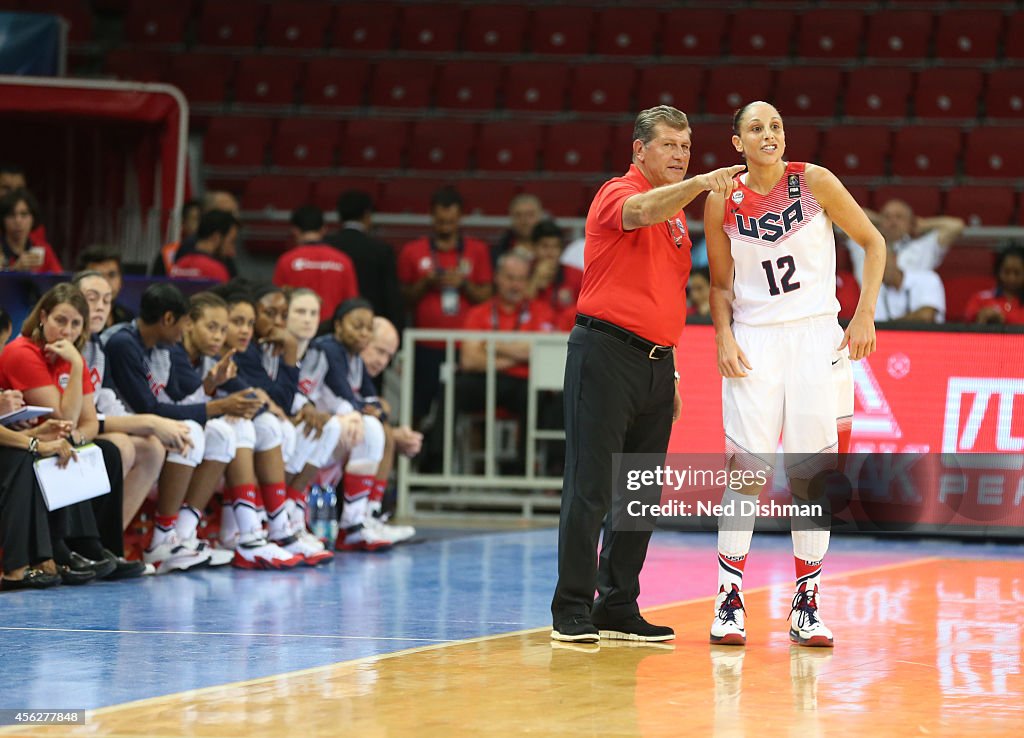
(33, 446)
(676, 375)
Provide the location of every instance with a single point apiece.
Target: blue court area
(109, 643)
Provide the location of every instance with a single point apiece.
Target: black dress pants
(24, 532)
(617, 400)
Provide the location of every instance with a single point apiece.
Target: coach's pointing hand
(720, 181)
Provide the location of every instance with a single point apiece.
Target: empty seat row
(758, 31)
(890, 92)
(990, 206)
(992, 152)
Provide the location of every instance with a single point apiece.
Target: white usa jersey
(783, 250)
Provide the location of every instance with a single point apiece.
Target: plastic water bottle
(331, 511)
(318, 519)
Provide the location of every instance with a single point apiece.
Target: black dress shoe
(102, 568)
(75, 576)
(123, 568)
(33, 579)
(634, 628)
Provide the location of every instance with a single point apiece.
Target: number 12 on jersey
(782, 263)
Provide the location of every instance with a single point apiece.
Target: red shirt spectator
(321, 268)
(420, 259)
(1009, 306)
(200, 266)
(635, 279)
(24, 366)
(19, 250)
(1004, 303)
(496, 315)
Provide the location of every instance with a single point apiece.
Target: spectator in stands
(19, 215)
(550, 281)
(920, 244)
(215, 243)
(910, 295)
(525, 211)
(377, 357)
(11, 178)
(191, 212)
(698, 294)
(315, 265)
(374, 260)
(171, 252)
(1005, 303)
(107, 261)
(442, 276)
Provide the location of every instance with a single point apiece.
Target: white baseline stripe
(228, 633)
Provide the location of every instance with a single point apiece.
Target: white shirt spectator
(923, 253)
(919, 289)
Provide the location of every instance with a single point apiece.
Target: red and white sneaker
(729, 626)
(174, 555)
(254, 551)
(313, 551)
(806, 629)
(361, 538)
(388, 531)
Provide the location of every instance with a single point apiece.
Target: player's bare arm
(661, 203)
(731, 359)
(848, 215)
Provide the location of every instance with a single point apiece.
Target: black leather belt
(652, 350)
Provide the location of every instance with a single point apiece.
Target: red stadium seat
(77, 13)
(236, 141)
(925, 151)
(860, 193)
(621, 150)
(878, 92)
(730, 87)
(327, 190)
(694, 32)
(947, 93)
(402, 84)
(364, 26)
(899, 34)
(202, 77)
(536, 86)
(508, 147)
(267, 80)
(561, 30)
(148, 23)
(924, 200)
(678, 85)
(981, 206)
(603, 88)
(410, 195)
(960, 288)
(968, 260)
(761, 34)
(377, 144)
(441, 144)
(1004, 95)
(230, 22)
(1014, 39)
(306, 143)
(430, 27)
(968, 34)
(994, 151)
(830, 33)
(802, 142)
(856, 151)
(807, 91)
(143, 66)
(335, 82)
(576, 147)
(562, 198)
(628, 31)
(495, 29)
(304, 25)
(276, 192)
(469, 85)
(713, 149)
(488, 196)
(847, 289)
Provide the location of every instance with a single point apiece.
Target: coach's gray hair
(514, 255)
(643, 129)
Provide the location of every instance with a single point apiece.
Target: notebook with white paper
(29, 412)
(79, 480)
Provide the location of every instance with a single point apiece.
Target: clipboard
(29, 412)
(79, 480)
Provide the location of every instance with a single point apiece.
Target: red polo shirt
(418, 259)
(635, 279)
(1013, 311)
(200, 266)
(24, 366)
(321, 268)
(492, 315)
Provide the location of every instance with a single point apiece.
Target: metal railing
(488, 491)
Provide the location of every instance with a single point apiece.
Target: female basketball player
(781, 351)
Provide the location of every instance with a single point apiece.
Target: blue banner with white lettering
(30, 44)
